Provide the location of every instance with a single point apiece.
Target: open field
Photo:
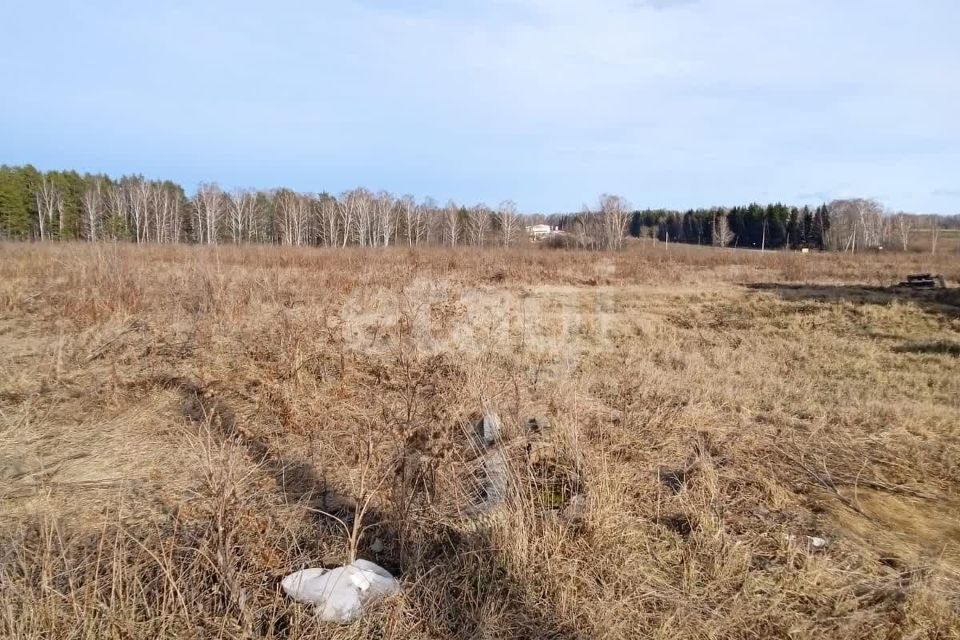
(948, 241)
(179, 425)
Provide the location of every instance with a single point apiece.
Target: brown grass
(180, 425)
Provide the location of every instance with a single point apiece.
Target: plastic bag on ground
(341, 594)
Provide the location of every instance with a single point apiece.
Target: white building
(538, 231)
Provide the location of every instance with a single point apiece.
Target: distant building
(540, 231)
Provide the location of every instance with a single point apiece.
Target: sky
(670, 103)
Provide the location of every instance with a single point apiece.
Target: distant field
(948, 241)
(733, 444)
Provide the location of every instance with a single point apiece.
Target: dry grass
(176, 424)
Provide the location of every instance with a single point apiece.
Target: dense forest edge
(67, 205)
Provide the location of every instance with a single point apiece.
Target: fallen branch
(826, 481)
(96, 353)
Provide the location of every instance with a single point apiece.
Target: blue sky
(673, 103)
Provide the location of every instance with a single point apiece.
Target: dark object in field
(936, 347)
(679, 524)
(538, 424)
(924, 281)
(675, 479)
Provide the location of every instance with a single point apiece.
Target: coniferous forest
(754, 226)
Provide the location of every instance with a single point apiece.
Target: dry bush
(182, 426)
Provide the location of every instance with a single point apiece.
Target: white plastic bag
(341, 594)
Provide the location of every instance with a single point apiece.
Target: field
(730, 444)
(948, 241)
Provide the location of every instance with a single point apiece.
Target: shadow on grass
(937, 347)
(945, 302)
(460, 577)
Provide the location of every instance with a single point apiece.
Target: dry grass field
(948, 241)
(180, 425)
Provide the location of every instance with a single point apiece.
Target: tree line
(754, 226)
(67, 205)
(849, 225)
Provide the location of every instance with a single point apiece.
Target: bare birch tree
(354, 208)
(904, 225)
(243, 211)
(384, 208)
(119, 218)
(157, 212)
(137, 193)
(856, 223)
(413, 220)
(934, 222)
(293, 216)
(208, 204)
(722, 236)
(49, 204)
(614, 214)
(328, 227)
(450, 218)
(93, 208)
(509, 222)
(168, 212)
(479, 224)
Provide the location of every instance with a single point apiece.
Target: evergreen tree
(18, 204)
(807, 229)
(777, 218)
(794, 228)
